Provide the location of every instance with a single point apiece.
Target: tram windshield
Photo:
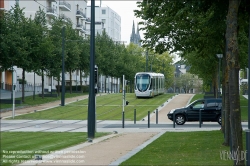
(142, 82)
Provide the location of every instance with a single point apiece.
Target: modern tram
(149, 84)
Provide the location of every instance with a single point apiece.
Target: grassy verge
(244, 108)
(17, 147)
(196, 97)
(108, 107)
(184, 148)
(29, 101)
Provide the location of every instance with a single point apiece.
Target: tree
(232, 56)
(199, 27)
(83, 64)
(16, 42)
(72, 51)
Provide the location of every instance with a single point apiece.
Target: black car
(210, 111)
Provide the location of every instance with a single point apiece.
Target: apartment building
(68, 10)
(105, 19)
(78, 13)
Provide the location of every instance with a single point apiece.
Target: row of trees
(35, 45)
(199, 30)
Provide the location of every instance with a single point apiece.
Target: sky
(125, 10)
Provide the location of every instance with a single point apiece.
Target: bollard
(134, 116)
(156, 116)
(200, 121)
(174, 120)
(148, 119)
(123, 119)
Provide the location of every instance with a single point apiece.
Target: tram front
(143, 85)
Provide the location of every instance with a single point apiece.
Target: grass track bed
(108, 107)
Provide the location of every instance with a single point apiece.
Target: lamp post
(220, 56)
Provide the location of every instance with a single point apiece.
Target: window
(104, 21)
(103, 11)
(198, 104)
(212, 103)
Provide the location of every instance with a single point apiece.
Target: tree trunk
(232, 57)
(226, 106)
(42, 84)
(23, 89)
(58, 85)
(70, 81)
(81, 79)
(105, 83)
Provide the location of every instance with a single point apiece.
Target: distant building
(105, 19)
(135, 37)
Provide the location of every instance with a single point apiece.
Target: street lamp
(220, 56)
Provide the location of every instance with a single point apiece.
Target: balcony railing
(88, 20)
(80, 27)
(80, 14)
(51, 11)
(64, 5)
(64, 17)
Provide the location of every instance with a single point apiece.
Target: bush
(85, 88)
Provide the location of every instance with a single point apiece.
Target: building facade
(105, 19)
(75, 11)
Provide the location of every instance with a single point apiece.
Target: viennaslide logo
(233, 155)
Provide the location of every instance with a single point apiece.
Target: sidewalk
(114, 148)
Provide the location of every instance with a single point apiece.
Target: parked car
(210, 111)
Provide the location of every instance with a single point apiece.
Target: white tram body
(149, 84)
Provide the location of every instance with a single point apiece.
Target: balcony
(51, 12)
(80, 14)
(81, 28)
(65, 18)
(64, 6)
(52, 0)
(88, 20)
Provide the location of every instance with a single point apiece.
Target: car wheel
(219, 119)
(180, 119)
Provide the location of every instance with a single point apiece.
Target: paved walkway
(114, 148)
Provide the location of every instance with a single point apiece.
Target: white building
(70, 10)
(74, 11)
(106, 19)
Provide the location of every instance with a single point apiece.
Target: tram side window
(156, 83)
(151, 84)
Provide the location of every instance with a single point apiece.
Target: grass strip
(29, 101)
(184, 148)
(17, 147)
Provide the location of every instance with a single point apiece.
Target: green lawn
(196, 97)
(29, 101)
(30, 142)
(108, 107)
(184, 148)
(244, 108)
